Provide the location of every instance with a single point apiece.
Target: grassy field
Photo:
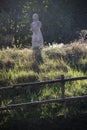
(24, 65)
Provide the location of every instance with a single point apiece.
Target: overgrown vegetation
(21, 66)
(62, 20)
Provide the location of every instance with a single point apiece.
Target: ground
(75, 123)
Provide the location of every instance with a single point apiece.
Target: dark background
(62, 20)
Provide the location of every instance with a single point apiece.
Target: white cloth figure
(37, 38)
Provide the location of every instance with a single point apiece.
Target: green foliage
(20, 66)
(24, 76)
(16, 17)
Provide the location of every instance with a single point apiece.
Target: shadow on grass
(75, 123)
(37, 55)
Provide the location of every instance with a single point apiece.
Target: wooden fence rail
(61, 80)
(63, 99)
(14, 106)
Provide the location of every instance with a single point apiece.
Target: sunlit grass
(20, 66)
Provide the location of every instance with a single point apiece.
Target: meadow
(22, 65)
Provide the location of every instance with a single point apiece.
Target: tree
(61, 19)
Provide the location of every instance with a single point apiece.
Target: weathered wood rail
(63, 99)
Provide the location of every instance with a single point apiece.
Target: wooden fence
(63, 99)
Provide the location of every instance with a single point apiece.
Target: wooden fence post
(63, 93)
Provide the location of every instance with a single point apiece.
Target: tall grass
(20, 65)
